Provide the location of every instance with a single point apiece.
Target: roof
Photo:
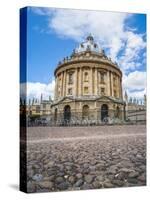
(89, 98)
(89, 44)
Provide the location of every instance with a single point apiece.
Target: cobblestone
(72, 158)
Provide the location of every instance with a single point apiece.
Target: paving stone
(86, 157)
(37, 177)
(142, 178)
(71, 179)
(46, 184)
(99, 178)
(118, 182)
(108, 185)
(59, 179)
(31, 187)
(86, 186)
(126, 170)
(97, 184)
(79, 183)
(63, 186)
(133, 174)
(88, 178)
(79, 175)
(133, 180)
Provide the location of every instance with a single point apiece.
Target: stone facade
(40, 107)
(135, 108)
(88, 85)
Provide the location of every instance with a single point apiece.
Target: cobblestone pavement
(74, 158)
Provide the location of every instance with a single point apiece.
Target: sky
(52, 34)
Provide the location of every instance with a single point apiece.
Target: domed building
(88, 87)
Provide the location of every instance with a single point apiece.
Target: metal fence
(92, 118)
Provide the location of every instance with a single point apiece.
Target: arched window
(102, 91)
(102, 77)
(117, 112)
(114, 81)
(85, 112)
(104, 112)
(67, 114)
(55, 115)
(115, 93)
(70, 91)
(86, 76)
(70, 78)
(86, 90)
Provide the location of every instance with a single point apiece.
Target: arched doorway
(104, 112)
(55, 115)
(85, 112)
(117, 112)
(67, 114)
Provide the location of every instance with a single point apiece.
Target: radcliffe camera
(82, 99)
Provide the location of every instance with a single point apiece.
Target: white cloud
(132, 51)
(35, 89)
(109, 29)
(137, 94)
(135, 80)
(123, 43)
(135, 84)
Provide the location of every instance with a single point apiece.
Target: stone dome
(88, 85)
(88, 45)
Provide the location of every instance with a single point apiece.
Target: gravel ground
(76, 158)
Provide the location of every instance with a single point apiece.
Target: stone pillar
(56, 87)
(112, 84)
(96, 83)
(76, 82)
(108, 84)
(79, 81)
(64, 84)
(117, 85)
(62, 77)
(91, 81)
(80, 86)
(121, 88)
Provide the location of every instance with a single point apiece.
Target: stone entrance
(67, 113)
(104, 112)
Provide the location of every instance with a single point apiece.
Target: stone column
(118, 86)
(76, 82)
(56, 87)
(96, 83)
(108, 84)
(91, 81)
(79, 81)
(121, 88)
(62, 77)
(112, 84)
(64, 84)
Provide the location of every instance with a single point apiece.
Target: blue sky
(45, 49)
(54, 33)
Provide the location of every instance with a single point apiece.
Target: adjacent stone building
(42, 107)
(88, 86)
(135, 109)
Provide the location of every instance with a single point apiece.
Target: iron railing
(92, 118)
